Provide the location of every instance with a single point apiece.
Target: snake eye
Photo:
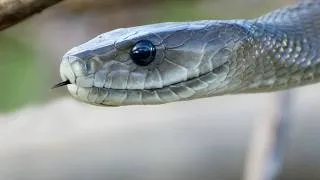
(143, 53)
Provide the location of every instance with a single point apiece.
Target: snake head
(153, 64)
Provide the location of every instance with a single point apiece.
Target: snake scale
(178, 61)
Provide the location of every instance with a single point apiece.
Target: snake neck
(279, 60)
(282, 49)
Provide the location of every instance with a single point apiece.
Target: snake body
(199, 59)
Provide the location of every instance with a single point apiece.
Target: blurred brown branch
(15, 11)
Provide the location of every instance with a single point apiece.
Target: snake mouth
(216, 71)
(182, 90)
(219, 69)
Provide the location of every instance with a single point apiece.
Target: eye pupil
(143, 53)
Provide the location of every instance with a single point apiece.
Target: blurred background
(45, 134)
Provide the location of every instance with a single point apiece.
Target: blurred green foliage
(19, 80)
(180, 11)
(190, 10)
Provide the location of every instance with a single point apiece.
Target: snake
(181, 61)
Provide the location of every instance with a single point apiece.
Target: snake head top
(153, 64)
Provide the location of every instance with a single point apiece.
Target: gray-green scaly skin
(199, 59)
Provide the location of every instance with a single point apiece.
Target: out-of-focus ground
(45, 134)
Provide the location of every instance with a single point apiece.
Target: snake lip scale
(67, 82)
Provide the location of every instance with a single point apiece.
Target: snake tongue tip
(61, 84)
